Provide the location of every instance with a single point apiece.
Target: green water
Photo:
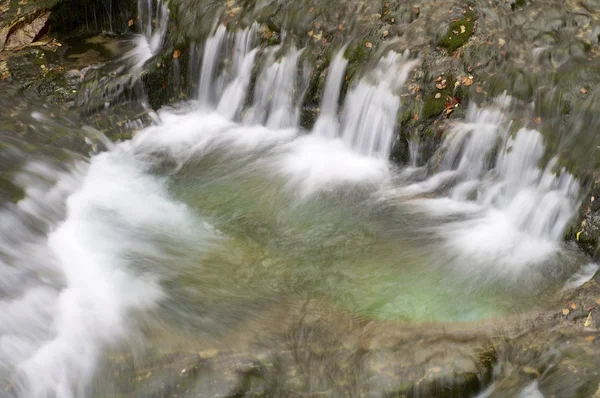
(367, 256)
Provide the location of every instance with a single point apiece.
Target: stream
(212, 223)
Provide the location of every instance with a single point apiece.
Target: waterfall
(516, 213)
(212, 53)
(414, 150)
(369, 118)
(237, 80)
(154, 18)
(327, 124)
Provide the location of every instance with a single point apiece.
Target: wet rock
(309, 350)
(24, 30)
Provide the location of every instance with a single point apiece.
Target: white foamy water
(370, 109)
(327, 124)
(513, 214)
(276, 100)
(210, 57)
(154, 18)
(582, 276)
(76, 285)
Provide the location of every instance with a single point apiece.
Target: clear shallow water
(204, 220)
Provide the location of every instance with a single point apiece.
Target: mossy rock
(10, 191)
(459, 32)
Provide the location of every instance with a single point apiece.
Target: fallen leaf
(467, 81)
(438, 96)
(566, 311)
(310, 33)
(573, 306)
(463, 29)
(598, 301)
(341, 26)
(130, 22)
(368, 44)
(583, 90)
(538, 120)
(176, 54)
(416, 117)
(386, 33)
(588, 321)
(577, 235)
(501, 42)
(590, 338)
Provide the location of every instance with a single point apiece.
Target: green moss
(274, 40)
(357, 56)
(565, 108)
(14, 192)
(433, 107)
(459, 32)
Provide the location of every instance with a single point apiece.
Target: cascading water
(370, 110)
(154, 18)
(516, 213)
(222, 211)
(327, 124)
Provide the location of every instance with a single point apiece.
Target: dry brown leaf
(368, 44)
(176, 54)
(590, 338)
(467, 81)
(583, 90)
(573, 306)
(565, 311)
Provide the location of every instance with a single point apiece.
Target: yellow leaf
(463, 29)
(565, 311)
(588, 321)
(577, 235)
